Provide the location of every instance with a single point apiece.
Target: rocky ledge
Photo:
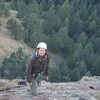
(88, 88)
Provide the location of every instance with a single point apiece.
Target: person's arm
(29, 71)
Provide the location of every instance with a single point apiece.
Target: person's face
(42, 51)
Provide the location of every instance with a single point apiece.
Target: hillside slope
(8, 44)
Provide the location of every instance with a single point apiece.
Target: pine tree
(6, 12)
(79, 48)
(65, 72)
(76, 26)
(75, 74)
(82, 68)
(92, 28)
(71, 62)
(83, 39)
(64, 10)
(54, 75)
(96, 45)
(16, 29)
(88, 55)
(3, 9)
(20, 53)
(51, 24)
(97, 66)
(84, 14)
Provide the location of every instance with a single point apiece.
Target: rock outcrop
(88, 88)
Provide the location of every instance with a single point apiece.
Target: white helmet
(42, 45)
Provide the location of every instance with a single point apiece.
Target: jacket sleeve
(47, 67)
(29, 70)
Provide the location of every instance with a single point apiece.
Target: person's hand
(30, 84)
(46, 78)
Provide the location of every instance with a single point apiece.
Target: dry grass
(8, 44)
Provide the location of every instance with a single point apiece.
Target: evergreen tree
(82, 68)
(76, 26)
(97, 66)
(64, 10)
(96, 45)
(20, 53)
(92, 28)
(14, 66)
(51, 24)
(71, 62)
(83, 39)
(54, 75)
(6, 12)
(65, 72)
(16, 30)
(84, 14)
(75, 74)
(79, 48)
(88, 73)
(3, 9)
(88, 55)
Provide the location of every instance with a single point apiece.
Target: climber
(37, 66)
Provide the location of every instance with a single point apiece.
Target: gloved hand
(46, 78)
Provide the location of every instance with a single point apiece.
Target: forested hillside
(71, 28)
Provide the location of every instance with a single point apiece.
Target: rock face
(88, 88)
